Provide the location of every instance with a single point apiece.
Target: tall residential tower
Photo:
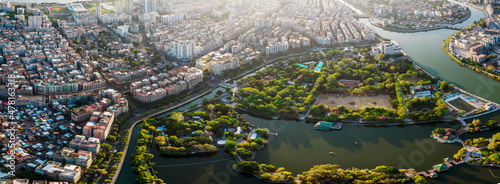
(129, 6)
(149, 6)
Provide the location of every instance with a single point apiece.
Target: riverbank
(404, 30)
(450, 26)
(446, 49)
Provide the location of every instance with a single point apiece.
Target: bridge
(451, 26)
(363, 15)
(227, 85)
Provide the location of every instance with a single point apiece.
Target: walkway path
(198, 163)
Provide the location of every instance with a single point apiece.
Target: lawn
(413, 80)
(462, 105)
(59, 10)
(360, 102)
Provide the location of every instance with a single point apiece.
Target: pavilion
(440, 167)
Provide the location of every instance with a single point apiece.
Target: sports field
(59, 10)
(355, 102)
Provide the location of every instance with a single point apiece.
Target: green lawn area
(103, 10)
(113, 3)
(58, 11)
(462, 105)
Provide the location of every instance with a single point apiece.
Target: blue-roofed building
(319, 66)
(301, 65)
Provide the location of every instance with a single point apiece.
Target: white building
(35, 21)
(129, 6)
(184, 50)
(20, 10)
(387, 48)
(175, 18)
(122, 30)
(149, 6)
(98, 11)
(119, 8)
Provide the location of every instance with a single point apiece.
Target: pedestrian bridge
(450, 26)
(227, 85)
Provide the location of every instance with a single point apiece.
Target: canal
(298, 147)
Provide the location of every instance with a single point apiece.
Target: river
(298, 147)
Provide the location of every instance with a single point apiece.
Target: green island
(481, 151)
(352, 86)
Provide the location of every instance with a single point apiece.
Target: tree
(265, 176)
(476, 122)
(318, 110)
(228, 89)
(177, 116)
(493, 145)
(145, 177)
(420, 179)
(444, 85)
(386, 169)
(491, 124)
(381, 56)
(438, 130)
(460, 154)
(370, 81)
(249, 166)
(206, 101)
(111, 138)
(495, 157)
(211, 108)
(219, 92)
(161, 140)
(106, 146)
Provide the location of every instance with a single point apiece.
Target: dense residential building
(115, 18)
(70, 156)
(164, 84)
(80, 142)
(99, 125)
(44, 88)
(35, 21)
(477, 45)
(55, 170)
(412, 15)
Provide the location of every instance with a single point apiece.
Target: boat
(331, 153)
(355, 142)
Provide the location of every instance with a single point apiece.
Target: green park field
(59, 10)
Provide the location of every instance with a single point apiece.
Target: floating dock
(337, 126)
(327, 126)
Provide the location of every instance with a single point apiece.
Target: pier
(432, 173)
(271, 133)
